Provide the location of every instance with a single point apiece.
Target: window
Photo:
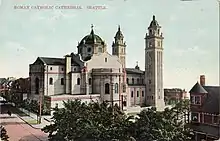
(195, 117)
(150, 90)
(142, 81)
(78, 81)
(137, 93)
(192, 99)
(51, 68)
(89, 49)
(37, 85)
(80, 50)
(215, 119)
(90, 81)
(51, 81)
(62, 81)
(142, 93)
(107, 89)
(127, 80)
(106, 60)
(149, 81)
(62, 69)
(158, 43)
(138, 81)
(116, 88)
(132, 94)
(100, 50)
(132, 80)
(197, 100)
(74, 69)
(124, 88)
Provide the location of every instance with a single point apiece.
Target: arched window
(137, 93)
(138, 80)
(127, 80)
(51, 81)
(132, 94)
(90, 81)
(116, 88)
(142, 81)
(132, 80)
(37, 85)
(62, 81)
(142, 93)
(107, 89)
(78, 81)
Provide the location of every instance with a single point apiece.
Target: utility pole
(40, 104)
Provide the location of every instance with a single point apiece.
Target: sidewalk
(31, 119)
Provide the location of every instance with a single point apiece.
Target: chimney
(202, 80)
(68, 70)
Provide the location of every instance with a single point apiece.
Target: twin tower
(93, 44)
(153, 62)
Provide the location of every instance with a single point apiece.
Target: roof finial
(153, 17)
(92, 32)
(119, 28)
(137, 63)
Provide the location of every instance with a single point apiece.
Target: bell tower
(154, 66)
(119, 47)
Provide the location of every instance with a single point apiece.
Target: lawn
(32, 121)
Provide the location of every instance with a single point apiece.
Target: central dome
(91, 39)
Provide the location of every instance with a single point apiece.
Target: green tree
(152, 125)
(78, 121)
(4, 136)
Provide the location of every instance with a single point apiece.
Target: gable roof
(134, 71)
(198, 89)
(75, 59)
(52, 61)
(212, 101)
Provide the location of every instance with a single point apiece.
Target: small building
(174, 95)
(205, 115)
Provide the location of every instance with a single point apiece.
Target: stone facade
(93, 73)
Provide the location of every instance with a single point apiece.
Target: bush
(33, 106)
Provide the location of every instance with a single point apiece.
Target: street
(17, 129)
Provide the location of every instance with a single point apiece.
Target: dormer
(197, 95)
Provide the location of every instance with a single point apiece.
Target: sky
(190, 30)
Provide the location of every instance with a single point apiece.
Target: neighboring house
(94, 74)
(20, 89)
(174, 95)
(5, 85)
(205, 115)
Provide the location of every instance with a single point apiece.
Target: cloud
(192, 50)
(200, 32)
(15, 45)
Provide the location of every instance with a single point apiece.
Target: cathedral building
(93, 74)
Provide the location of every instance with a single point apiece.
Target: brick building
(172, 96)
(205, 117)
